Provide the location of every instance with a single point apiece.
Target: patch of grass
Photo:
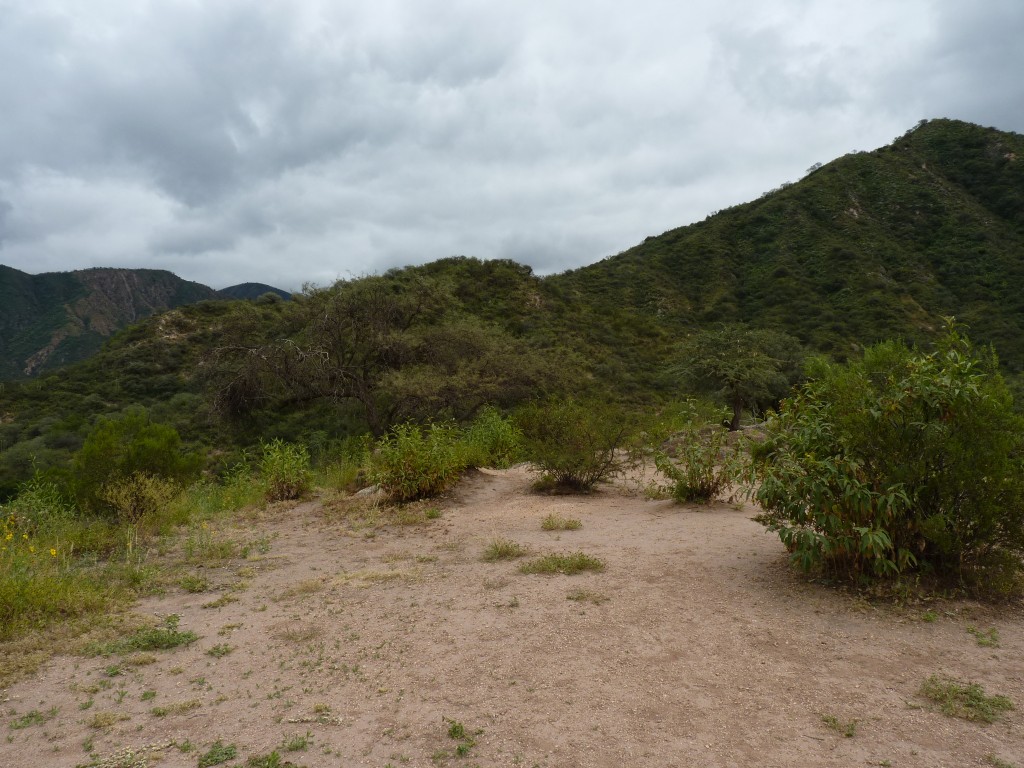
(159, 638)
(140, 660)
(503, 549)
(555, 522)
(997, 762)
(300, 590)
(220, 650)
(573, 563)
(105, 720)
(988, 638)
(272, 760)
(587, 596)
(457, 731)
(148, 695)
(193, 583)
(221, 601)
(929, 616)
(178, 708)
(964, 700)
(218, 753)
(297, 743)
(35, 717)
(300, 633)
(848, 730)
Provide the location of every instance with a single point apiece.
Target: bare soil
(696, 646)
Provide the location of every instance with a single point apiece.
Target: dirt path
(697, 646)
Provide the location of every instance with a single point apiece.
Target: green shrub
(899, 461)
(414, 462)
(39, 507)
(284, 469)
(118, 448)
(138, 496)
(492, 440)
(703, 466)
(576, 445)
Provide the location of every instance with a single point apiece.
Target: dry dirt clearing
(696, 646)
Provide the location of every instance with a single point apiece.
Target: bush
(118, 448)
(138, 496)
(415, 463)
(901, 461)
(492, 440)
(703, 466)
(39, 507)
(284, 469)
(576, 445)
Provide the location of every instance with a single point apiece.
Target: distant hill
(251, 291)
(53, 319)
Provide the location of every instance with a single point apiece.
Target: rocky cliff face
(53, 319)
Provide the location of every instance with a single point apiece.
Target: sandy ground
(697, 646)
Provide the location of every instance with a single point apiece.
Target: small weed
(432, 514)
(929, 616)
(218, 753)
(988, 638)
(503, 549)
(220, 650)
(555, 522)
(965, 700)
(35, 717)
(113, 670)
(587, 596)
(140, 660)
(105, 720)
(272, 760)
(185, 746)
(194, 583)
(149, 639)
(178, 708)
(570, 564)
(300, 590)
(848, 730)
(221, 601)
(86, 705)
(297, 743)
(457, 731)
(148, 695)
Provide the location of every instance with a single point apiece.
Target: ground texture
(346, 645)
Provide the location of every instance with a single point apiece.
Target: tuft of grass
(220, 650)
(573, 563)
(218, 753)
(177, 708)
(965, 700)
(503, 549)
(148, 639)
(35, 717)
(988, 638)
(194, 583)
(587, 596)
(105, 720)
(271, 760)
(297, 743)
(848, 730)
(220, 602)
(555, 522)
(929, 616)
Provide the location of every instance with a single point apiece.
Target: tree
(396, 346)
(744, 366)
(902, 460)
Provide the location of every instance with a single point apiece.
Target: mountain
(251, 291)
(52, 319)
(872, 245)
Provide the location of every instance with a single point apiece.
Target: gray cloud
(285, 142)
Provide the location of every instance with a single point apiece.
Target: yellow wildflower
(53, 552)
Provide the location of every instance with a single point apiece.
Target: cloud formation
(286, 142)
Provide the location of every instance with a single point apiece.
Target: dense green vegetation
(412, 376)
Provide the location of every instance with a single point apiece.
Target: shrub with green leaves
(39, 506)
(902, 460)
(138, 496)
(576, 445)
(285, 470)
(702, 465)
(492, 440)
(414, 462)
(118, 448)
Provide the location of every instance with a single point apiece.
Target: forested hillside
(873, 245)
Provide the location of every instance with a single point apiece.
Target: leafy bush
(576, 445)
(702, 465)
(138, 496)
(492, 440)
(902, 460)
(284, 469)
(118, 448)
(39, 506)
(413, 462)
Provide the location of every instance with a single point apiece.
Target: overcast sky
(287, 142)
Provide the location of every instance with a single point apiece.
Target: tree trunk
(737, 411)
